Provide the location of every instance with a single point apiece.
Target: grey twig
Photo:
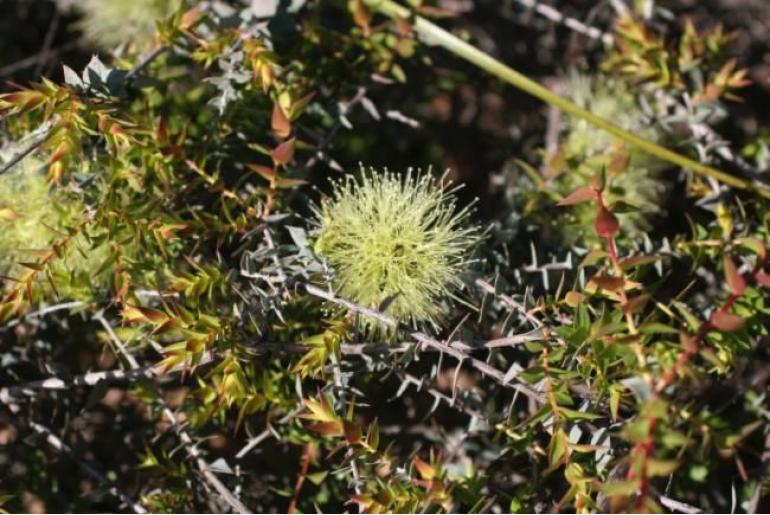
(43, 312)
(36, 58)
(264, 435)
(345, 109)
(452, 402)
(429, 342)
(44, 132)
(55, 442)
(678, 506)
(192, 451)
(546, 11)
(513, 304)
(9, 393)
(144, 62)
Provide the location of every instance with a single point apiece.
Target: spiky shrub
(398, 242)
(108, 23)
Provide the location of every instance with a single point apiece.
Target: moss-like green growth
(108, 23)
(396, 242)
(34, 218)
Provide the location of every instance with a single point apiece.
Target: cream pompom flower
(108, 23)
(396, 242)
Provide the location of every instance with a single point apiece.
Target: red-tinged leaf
(55, 172)
(579, 195)
(264, 171)
(61, 150)
(573, 298)
(279, 122)
(140, 314)
(189, 18)
(619, 162)
(727, 322)
(763, 278)
(608, 282)
(425, 469)
(606, 223)
(362, 16)
(327, 428)
(8, 214)
(32, 266)
(283, 153)
(735, 281)
(352, 432)
(155, 316)
(636, 304)
(298, 105)
(101, 123)
(634, 261)
(161, 131)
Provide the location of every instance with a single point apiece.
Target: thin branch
(10, 393)
(428, 341)
(546, 11)
(429, 31)
(43, 312)
(47, 42)
(264, 435)
(55, 442)
(513, 304)
(193, 452)
(134, 364)
(45, 131)
(678, 506)
(190, 447)
(144, 62)
(452, 402)
(34, 59)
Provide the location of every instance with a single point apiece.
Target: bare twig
(144, 62)
(190, 447)
(546, 11)
(9, 393)
(452, 402)
(42, 135)
(193, 452)
(55, 442)
(264, 435)
(678, 506)
(428, 341)
(36, 58)
(42, 56)
(43, 312)
(345, 109)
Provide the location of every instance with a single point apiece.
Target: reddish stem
(692, 347)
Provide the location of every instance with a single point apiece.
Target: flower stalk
(436, 35)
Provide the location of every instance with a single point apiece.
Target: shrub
(204, 308)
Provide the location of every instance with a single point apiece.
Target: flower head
(108, 23)
(638, 183)
(395, 242)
